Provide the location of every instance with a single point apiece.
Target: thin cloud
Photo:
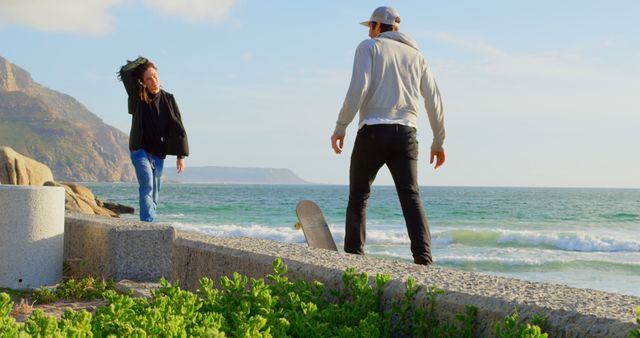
(247, 57)
(474, 45)
(194, 10)
(92, 17)
(87, 17)
(546, 84)
(500, 62)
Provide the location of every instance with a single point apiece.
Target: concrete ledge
(116, 248)
(31, 232)
(147, 251)
(572, 312)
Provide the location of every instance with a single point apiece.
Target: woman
(156, 131)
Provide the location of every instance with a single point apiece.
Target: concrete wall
(31, 231)
(151, 250)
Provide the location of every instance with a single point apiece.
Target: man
(389, 75)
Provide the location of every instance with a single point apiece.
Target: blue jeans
(149, 172)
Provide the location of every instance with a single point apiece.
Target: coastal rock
(80, 199)
(17, 169)
(116, 207)
(137, 289)
(80, 190)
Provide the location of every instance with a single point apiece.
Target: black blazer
(175, 138)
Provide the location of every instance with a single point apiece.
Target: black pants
(396, 146)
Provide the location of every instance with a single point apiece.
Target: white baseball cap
(386, 15)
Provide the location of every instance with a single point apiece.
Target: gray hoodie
(389, 76)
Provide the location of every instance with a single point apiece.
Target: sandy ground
(22, 309)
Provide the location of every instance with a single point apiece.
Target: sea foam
(280, 234)
(568, 241)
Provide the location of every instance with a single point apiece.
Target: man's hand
(439, 156)
(180, 165)
(337, 142)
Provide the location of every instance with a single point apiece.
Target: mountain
(233, 175)
(57, 130)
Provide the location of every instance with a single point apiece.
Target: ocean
(587, 238)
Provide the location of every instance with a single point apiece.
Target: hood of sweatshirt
(400, 37)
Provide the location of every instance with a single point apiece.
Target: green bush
(243, 307)
(512, 326)
(636, 333)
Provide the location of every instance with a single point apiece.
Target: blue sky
(539, 93)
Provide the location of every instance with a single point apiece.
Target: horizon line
(379, 185)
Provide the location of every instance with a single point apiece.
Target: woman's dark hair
(138, 74)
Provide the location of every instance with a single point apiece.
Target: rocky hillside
(57, 130)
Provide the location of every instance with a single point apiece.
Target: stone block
(116, 248)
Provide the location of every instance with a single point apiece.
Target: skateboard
(314, 226)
